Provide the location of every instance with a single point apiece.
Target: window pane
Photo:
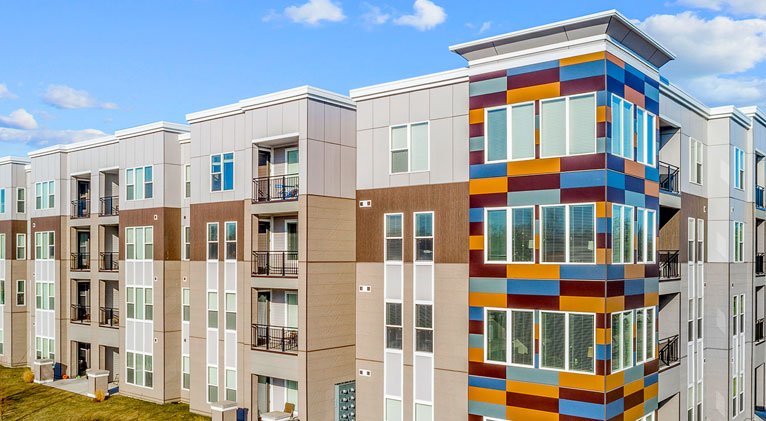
(424, 316)
(393, 226)
(616, 107)
(394, 250)
(523, 235)
(228, 171)
(394, 314)
(554, 247)
(497, 324)
(393, 410)
(419, 147)
(424, 340)
(424, 223)
(497, 235)
(627, 339)
(627, 129)
(581, 234)
(523, 131)
(497, 130)
(581, 340)
(641, 235)
(399, 161)
(650, 334)
(640, 348)
(552, 340)
(616, 344)
(640, 135)
(582, 124)
(522, 345)
(650, 145)
(553, 127)
(399, 137)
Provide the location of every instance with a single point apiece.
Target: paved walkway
(80, 386)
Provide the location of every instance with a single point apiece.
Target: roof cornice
(159, 126)
(433, 80)
(13, 160)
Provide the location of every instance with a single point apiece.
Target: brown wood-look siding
(449, 202)
(10, 229)
(48, 223)
(167, 230)
(691, 207)
(201, 214)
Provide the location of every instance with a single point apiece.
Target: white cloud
(62, 96)
(486, 26)
(315, 11)
(19, 119)
(375, 15)
(736, 90)
(45, 137)
(5, 93)
(427, 15)
(737, 7)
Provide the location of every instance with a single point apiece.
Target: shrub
(100, 396)
(28, 376)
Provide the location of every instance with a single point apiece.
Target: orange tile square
(613, 381)
(476, 242)
(486, 395)
(488, 185)
(476, 116)
(476, 354)
(532, 389)
(516, 413)
(581, 304)
(601, 114)
(534, 166)
(532, 271)
(582, 59)
(582, 381)
(531, 93)
(485, 299)
(615, 304)
(651, 188)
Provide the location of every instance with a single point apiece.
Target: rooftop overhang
(610, 24)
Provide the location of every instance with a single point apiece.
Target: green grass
(20, 400)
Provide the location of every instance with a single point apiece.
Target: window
(646, 232)
(292, 392)
(424, 328)
(231, 311)
(424, 236)
(520, 237)
(645, 336)
(739, 241)
(231, 385)
(21, 200)
(45, 347)
(45, 195)
(187, 181)
(185, 372)
(568, 126)
(21, 246)
(21, 293)
(700, 240)
(739, 169)
(394, 326)
(622, 340)
(212, 310)
(509, 336)
(139, 369)
(44, 295)
(2, 247)
(2, 292)
(647, 417)
(409, 148)
(222, 172)
(139, 243)
(738, 346)
(622, 127)
(212, 384)
(510, 132)
(2, 200)
(646, 132)
(44, 246)
(567, 341)
(139, 303)
(185, 304)
(696, 161)
(230, 229)
(622, 234)
(568, 233)
(139, 182)
(393, 237)
(212, 241)
(187, 242)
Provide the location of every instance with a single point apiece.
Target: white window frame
(391, 150)
(566, 368)
(211, 381)
(415, 237)
(45, 245)
(386, 237)
(222, 173)
(509, 235)
(631, 125)
(21, 200)
(738, 252)
(143, 356)
(509, 132)
(45, 191)
(623, 212)
(650, 219)
(649, 147)
(187, 181)
(132, 171)
(186, 242)
(21, 247)
(567, 230)
(208, 241)
(146, 233)
(226, 241)
(21, 292)
(622, 340)
(508, 337)
(696, 150)
(739, 169)
(647, 335)
(566, 113)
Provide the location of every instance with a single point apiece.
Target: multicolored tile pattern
(520, 393)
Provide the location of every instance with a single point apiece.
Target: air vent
(365, 288)
(365, 203)
(365, 373)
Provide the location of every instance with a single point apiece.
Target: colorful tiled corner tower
(563, 222)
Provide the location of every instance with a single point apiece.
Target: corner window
(21, 200)
(510, 132)
(568, 233)
(21, 246)
(139, 183)
(567, 341)
(646, 132)
(212, 384)
(45, 195)
(44, 245)
(696, 161)
(645, 335)
(409, 148)
(739, 241)
(622, 340)
(393, 231)
(185, 372)
(139, 303)
(739, 169)
(509, 336)
(568, 126)
(622, 234)
(222, 172)
(510, 235)
(622, 127)
(646, 233)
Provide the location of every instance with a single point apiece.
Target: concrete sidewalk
(80, 386)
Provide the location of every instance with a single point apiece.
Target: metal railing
(669, 178)
(274, 338)
(110, 206)
(275, 188)
(670, 268)
(275, 263)
(80, 208)
(759, 264)
(108, 261)
(109, 317)
(80, 314)
(669, 351)
(80, 261)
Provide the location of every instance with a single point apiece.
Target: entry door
(83, 194)
(83, 242)
(264, 163)
(292, 239)
(83, 294)
(291, 160)
(262, 317)
(264, 403)
(83, 358)
(292, 309)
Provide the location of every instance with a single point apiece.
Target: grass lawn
(27, 401)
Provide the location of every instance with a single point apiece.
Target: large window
(139, 243)
(21, 246)
(645, 334)
(509, 336)
(45, 195)
(567, 341)
(230, 240)
(222, 172)
(44, 295)
(212, 241)
(510, 132)
(739, 169)
(44, 245)
(622, 340)
(45, 347)
(139, 183)
(139, 369)
(21, 200)
(646, 132)
(696, 161)
(646, 233)
(622, 234)
(393, 325)
(569, 233)
(622, 127)
(409, 148)
(424, 236)
(394, 237)
(568, 125)
(739, 241)
(519, 239)
(424, 328)
(139, 302)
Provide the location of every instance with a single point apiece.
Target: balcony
(274, 338)
(668, 352)
(80, 314)
(669, 178)
(759, 264)
(80, 262)
(108, 261)
(110, 206)
(670, 268)
(275, 263)
(275, 188)
(80, 209)
(109, 317)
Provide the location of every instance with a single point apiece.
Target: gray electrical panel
(345, 401)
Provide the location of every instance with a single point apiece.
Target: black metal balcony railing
(110, 206)
(275, 263)
(80, 314)
(274, 338)
(80, 261)
(108, 261)
(759, 264)
(275, 188)
(109, 317)
(669, 178)
(80, 208)
(670, 268)
(669, 351)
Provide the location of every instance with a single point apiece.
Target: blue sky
(77, 69)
